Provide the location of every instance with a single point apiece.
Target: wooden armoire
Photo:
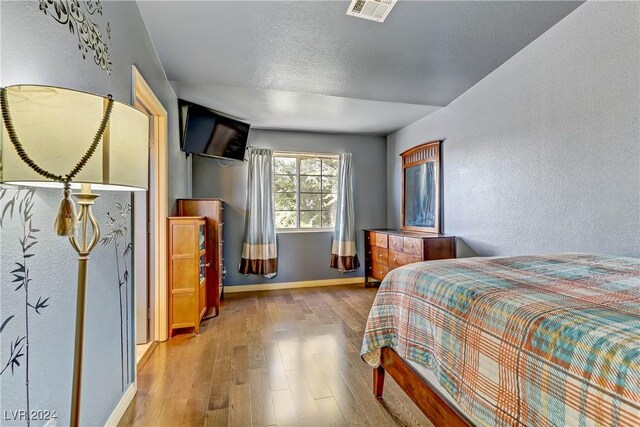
(213, 212)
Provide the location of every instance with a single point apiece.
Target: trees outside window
(305, 189)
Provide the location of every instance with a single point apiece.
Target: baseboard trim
(292, 285)
(146, 356)
(122, 406)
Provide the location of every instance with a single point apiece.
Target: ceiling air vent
(374, 10)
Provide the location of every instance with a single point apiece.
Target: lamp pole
(83, 247)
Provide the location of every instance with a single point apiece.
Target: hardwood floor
(288, 357)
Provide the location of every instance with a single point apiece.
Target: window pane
(310, 219)
(330, 167)
(329, 184)
(309, 166)
(284, 165)
(305, 191)
(284, 183)
(285, 201)
(309, 202)
(309, 184)
(285, 219)
(329, 201)
(329, 218)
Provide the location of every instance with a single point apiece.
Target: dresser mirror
(421, 188)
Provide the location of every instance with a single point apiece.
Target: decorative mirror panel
(421, 188)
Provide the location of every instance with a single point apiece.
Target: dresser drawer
(412, 246)
(369, 238)
(443, 248)
(379, 255)
(395, 242)
(379, 239)
(378, 271)
(367, 251)
(398, 259)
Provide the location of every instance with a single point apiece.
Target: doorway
(144, 217)
(150, 210)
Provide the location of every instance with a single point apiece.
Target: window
(305, 190)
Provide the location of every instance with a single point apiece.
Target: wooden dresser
(213, 212)
(385, 250)
(187, 274)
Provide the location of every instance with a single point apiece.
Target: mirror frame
(423, 153)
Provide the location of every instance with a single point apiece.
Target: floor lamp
(72, 138)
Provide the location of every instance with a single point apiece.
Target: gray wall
(36, 49)
(306, 255)
(543, 155)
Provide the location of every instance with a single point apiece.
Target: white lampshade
(56, 127)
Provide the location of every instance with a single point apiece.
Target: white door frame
(145, 99)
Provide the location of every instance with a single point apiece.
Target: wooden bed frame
(429, 400)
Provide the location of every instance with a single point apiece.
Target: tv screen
(207, 133)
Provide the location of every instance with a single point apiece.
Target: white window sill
(303, 230)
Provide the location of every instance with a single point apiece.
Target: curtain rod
(305, 153)
(298, 153)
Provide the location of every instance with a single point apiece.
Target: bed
(512, 341)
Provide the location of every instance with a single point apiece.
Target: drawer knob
(410, 246)
(380, 256)
(395, 259)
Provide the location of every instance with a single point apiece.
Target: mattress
(429, 377)
(519, 341)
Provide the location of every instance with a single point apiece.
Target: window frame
(298, 155)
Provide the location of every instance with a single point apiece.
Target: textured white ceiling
(274, 109)
(426, 52)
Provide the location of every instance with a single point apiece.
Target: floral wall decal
(79, 21)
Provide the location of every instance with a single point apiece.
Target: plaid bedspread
(535, 341)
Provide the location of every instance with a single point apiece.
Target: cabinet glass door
(202, 267)
(201, 236)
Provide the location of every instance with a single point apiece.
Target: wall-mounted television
(207, 133)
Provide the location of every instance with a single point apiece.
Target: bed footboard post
(378, 381)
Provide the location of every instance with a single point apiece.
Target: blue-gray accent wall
(543, 154)
(304, 255)
(36, 49)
